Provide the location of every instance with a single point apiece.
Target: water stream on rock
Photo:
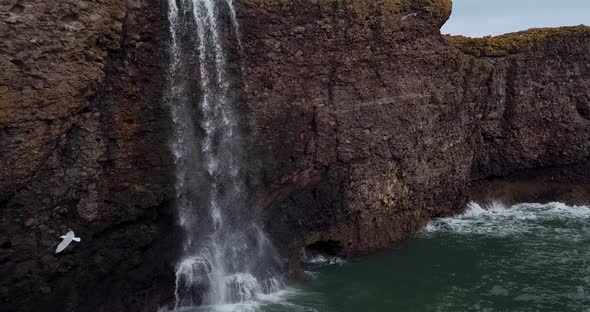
(227, 260)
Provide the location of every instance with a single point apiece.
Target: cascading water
(227, 258)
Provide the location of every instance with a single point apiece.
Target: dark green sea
(528, 257)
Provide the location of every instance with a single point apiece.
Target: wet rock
(299, 29)
(29, 222)
(5, 243)
(45, 290)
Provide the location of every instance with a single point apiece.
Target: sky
(478, 18)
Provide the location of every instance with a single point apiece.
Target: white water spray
(227, 258)
(499, 220)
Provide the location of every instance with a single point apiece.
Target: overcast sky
(477, 18)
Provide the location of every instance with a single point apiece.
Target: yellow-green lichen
(509, 43)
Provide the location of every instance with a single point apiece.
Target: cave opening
(326, 248)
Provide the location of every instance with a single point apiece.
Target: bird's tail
(77, 239)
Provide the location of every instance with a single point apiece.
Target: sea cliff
(364, 120)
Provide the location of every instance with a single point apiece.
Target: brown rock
(402, 123)
(29, 222)
(67, 144)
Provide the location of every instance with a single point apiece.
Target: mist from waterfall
(227, 258)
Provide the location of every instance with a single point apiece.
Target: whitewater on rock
(227, 259)
(499, 220)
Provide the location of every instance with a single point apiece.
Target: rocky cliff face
(371, 122)
(366, 123)
(534, 130)
(363, 115)
(83, 146)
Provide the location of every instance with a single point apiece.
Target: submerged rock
(192, 282)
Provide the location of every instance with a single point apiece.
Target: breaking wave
(258, 302)
(497, 219)
(321, 260)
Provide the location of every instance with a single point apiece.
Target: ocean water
(528, 257)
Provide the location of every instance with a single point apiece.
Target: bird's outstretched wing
(63, 245)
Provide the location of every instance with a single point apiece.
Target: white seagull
(67, 239)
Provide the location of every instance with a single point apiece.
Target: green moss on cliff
(440, 8)
(509, 43)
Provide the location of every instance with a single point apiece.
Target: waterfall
(226, 256)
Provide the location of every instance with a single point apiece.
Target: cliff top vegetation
(511, 43)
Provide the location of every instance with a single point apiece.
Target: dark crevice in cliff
(314, 129)
(564, 183)
(329, 248)
(583, 108)
(333, 67)
(509, 113)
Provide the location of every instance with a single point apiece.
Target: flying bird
(67, 239)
